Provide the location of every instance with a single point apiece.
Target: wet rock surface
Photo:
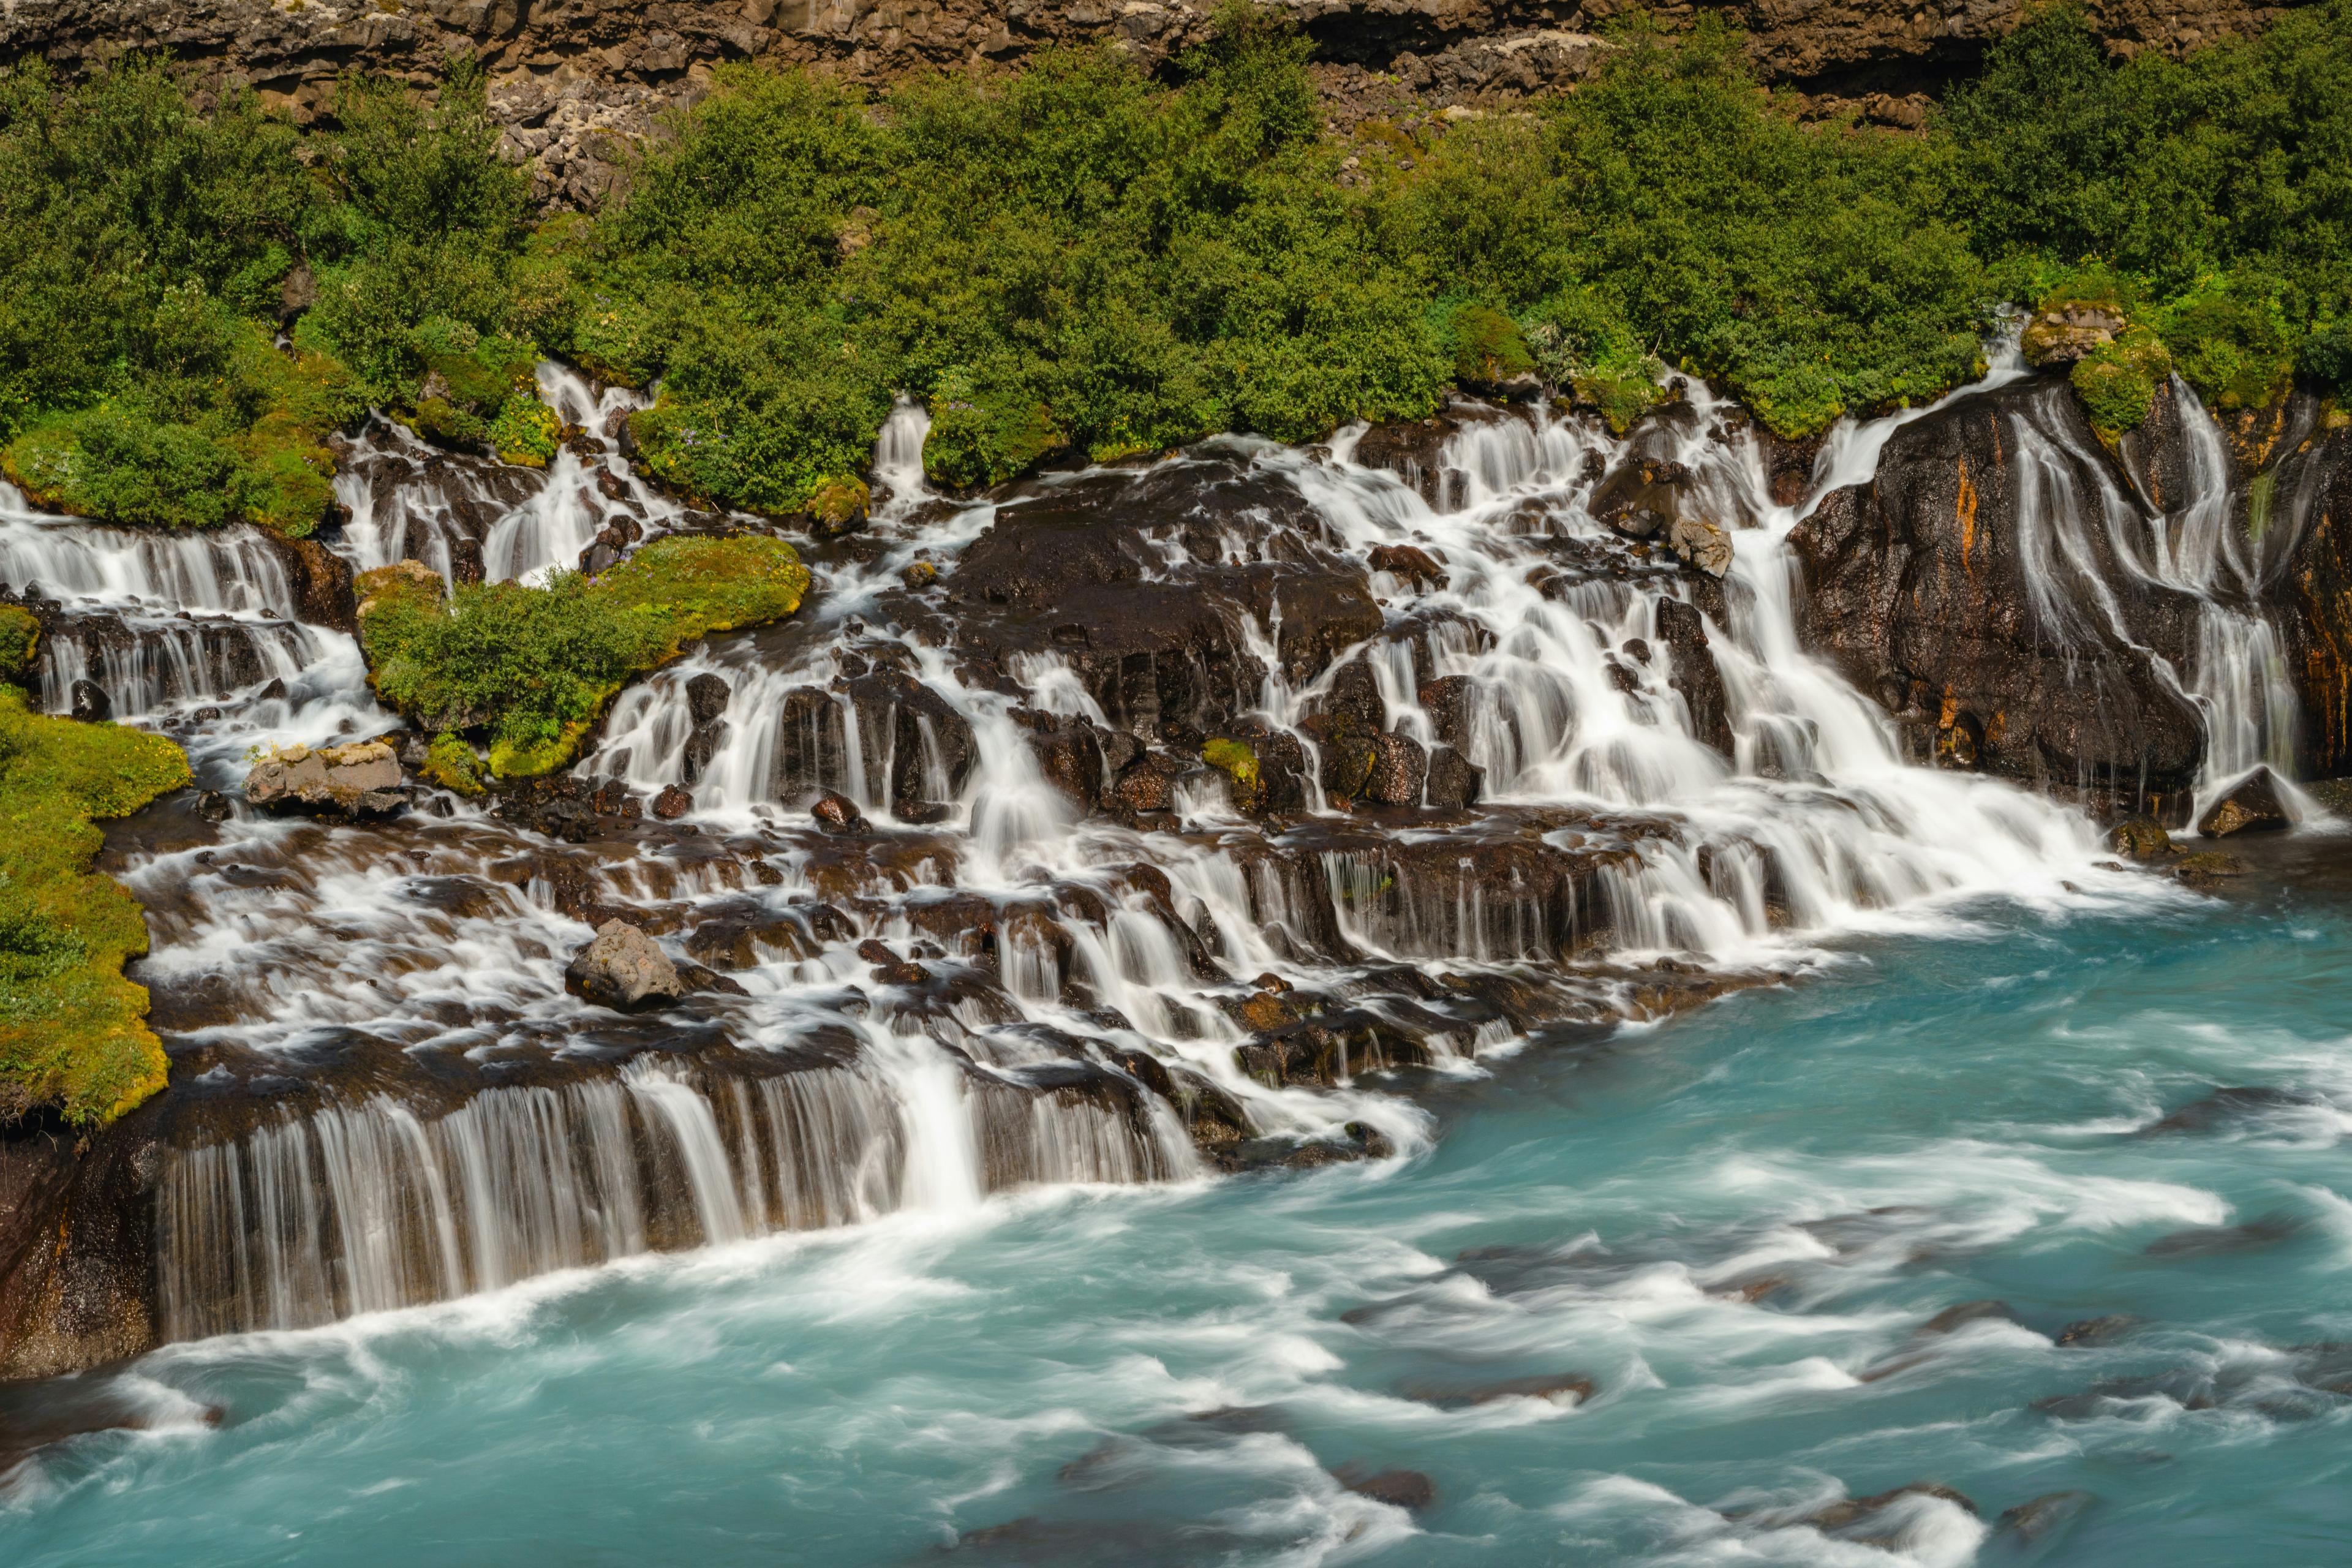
(1965, 587)
(363, 779)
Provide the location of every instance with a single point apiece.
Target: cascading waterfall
(1091, 992)
(370, 1206)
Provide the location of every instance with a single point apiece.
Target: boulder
(1399, 1489)
(2061, 334)
(1398, 768)
(622, 969)
(1700, 543)
(673, 803)
(90, 703)
(836, 812)
(2141, 838)
(2252, 806)
(1454, 781)
(706, 697)
(1411, 563)
(360, 779)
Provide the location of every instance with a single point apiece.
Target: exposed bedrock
(1078, 572)
(2310, 498)
(1975, 588)
(573, 82)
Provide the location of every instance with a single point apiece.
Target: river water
(1736, 1225)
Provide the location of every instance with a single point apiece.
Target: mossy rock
(450, 762)
(1238, 761)
(1488, 350)
(20, 641)
(529, 671)
(73, 1030)
(985, 439)
(839, 506)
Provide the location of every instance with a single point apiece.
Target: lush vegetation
(527, 671)
(1085, 258)
(153, 251)
(73, 1031)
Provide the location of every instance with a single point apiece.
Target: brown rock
(2252, 806)
(2062, 333)
(360, 779)
(622, 969)
(673, 803)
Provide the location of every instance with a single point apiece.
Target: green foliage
(149, 245)
(2118, 381)
(2327, 356)
(20, 639)
(2231, 341)
(2214, 188)
(73, 1031)
(1667, 207)
(1075, 259)
(531, 669)
(525, 432)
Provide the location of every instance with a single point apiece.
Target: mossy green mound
(528, 671)
(73, 1031)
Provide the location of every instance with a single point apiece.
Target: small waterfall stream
(1670, 785)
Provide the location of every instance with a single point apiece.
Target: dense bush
(1666, 208)
(152, 249)
(1085, 259)
(2219, 183)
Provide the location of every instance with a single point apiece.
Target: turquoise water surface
(1736, 1226)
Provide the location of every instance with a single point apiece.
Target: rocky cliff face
(573, 81)
(1970, 588)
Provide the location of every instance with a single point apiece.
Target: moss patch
(73, 1031)
(529, 671)
(20, 639)
(1239, 762)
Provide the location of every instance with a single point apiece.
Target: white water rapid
(388, 1097)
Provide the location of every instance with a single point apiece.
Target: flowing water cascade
(1540, 774)
(2231, 664)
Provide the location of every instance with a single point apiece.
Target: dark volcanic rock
(1398, 1488)
(706, 696)
(1454, 781)
(1937, 588)
(1696, 677)
(2251, 804)
(1081, 571)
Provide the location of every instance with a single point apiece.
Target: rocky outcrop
(2313, 490)
(574, 84)
(362, 779)
(1990, 613)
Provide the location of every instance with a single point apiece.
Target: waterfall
(372, 1205)
(1667, 781)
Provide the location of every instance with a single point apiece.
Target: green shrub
(2327, 356)
(1487, 347)
(530, 669)
(2118, 381)
(73, 1031)
(119, 466)
(526, 431)
(2214, 185)
(2229, 342)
